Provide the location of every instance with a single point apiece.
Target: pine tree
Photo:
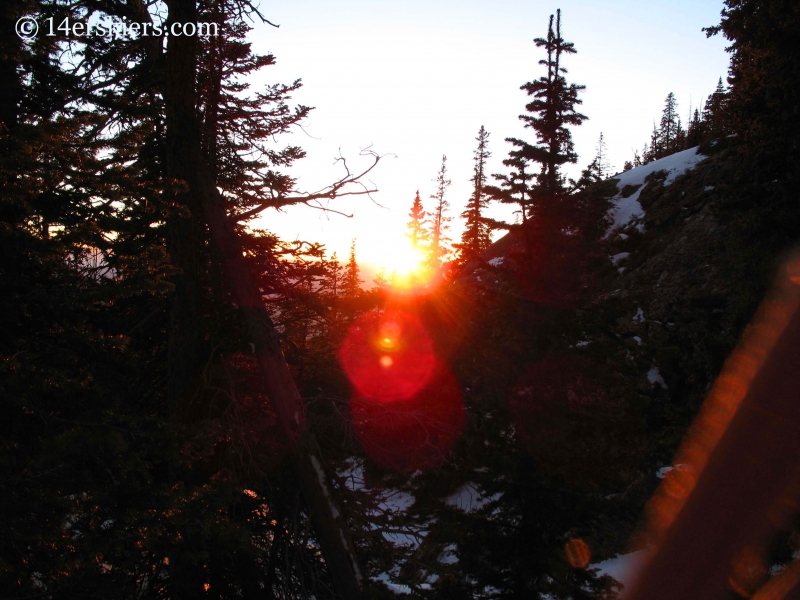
(515, 187)
(669, 128)
(652, 151)
(417, 227)
(439, 216)
(381, 279)
(552, 110)
(333, 282)
(475, 238)
(696, 132)
(680, 138)
(352, 282)
(714, 113)
(548, 265)
(598, 170)
(152, 179)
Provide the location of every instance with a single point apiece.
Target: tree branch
(329, 192)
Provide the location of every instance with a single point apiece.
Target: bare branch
(330, 192)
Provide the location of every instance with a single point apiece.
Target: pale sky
(417, 80)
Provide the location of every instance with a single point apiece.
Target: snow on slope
(629, 208)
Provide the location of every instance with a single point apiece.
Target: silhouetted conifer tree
(552, 110)
(475, 238)
(714, 113)
(598, 170)
(514, 187)
(695, 133)
(129, 399)
(669, 128)
(417, 227)
(439, 216)
(352, 282)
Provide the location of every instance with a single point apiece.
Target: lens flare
(388, 356)
(578, 553)
(413, 434)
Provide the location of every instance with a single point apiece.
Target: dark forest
(193, 407)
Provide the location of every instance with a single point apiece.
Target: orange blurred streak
(729, 389)
(743, 468)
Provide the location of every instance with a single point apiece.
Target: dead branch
(330, 192)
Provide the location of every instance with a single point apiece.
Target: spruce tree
(669, 128)
(334, 277)
(439, 216)
(598, 170)
(695, 134)
(476, 238)
(551, 111)
(352, 282)
(714, 113)
(418, 225)
(515, 187)
(130, 398)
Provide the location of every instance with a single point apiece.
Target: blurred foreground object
(739, 484)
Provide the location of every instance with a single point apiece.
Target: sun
(403, 264)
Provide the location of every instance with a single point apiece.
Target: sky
(415, 80)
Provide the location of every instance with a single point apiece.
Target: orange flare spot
(578, 553)
(386, 361)
(679, 482)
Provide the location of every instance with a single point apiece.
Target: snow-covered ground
(626, 209)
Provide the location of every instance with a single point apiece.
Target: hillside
(667, 307)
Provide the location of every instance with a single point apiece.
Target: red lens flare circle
(412, 434)
(388, 356)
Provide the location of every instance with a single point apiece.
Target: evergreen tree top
(551, 111)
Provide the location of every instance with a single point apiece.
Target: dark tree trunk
(329, 525)
(185, 162)
(183, 235)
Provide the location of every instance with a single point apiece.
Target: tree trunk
(329, 525)
(186, 163)
(185, 336)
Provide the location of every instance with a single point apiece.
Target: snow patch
(639, 316)
(617, 258)
(638, 340)
(662, 472)
(469, 498)
(624, 210)
(654, 377)
(496, 262)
